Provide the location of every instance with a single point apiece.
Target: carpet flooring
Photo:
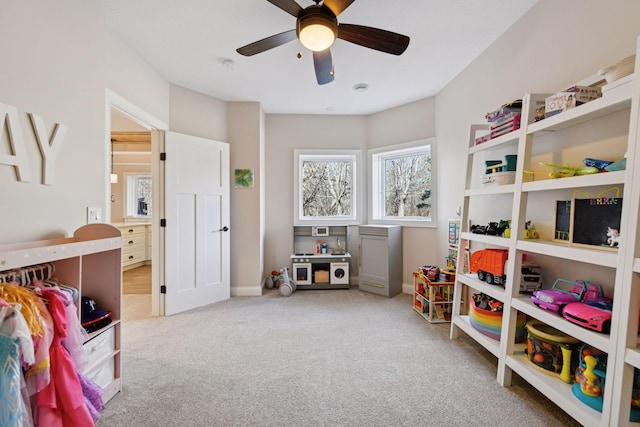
(317, 358)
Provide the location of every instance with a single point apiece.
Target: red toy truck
(490, 265)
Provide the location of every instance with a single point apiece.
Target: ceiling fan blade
(337, 6)
(374, 38)
(267, 43)
(289, 6)
(323, 63)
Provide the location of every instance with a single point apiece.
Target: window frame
(355, 156)
(376, 157)
(130, 197)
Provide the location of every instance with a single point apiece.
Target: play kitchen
(320, 259)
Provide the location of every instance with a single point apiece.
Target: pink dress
(61, 402)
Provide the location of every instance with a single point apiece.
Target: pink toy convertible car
(562, 293)
(594, 312)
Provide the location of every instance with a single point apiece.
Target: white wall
(551, 47)
(130, 77)
(193, 113)
(45, 46)
(284, 133)
(406, 123)
(247, 141)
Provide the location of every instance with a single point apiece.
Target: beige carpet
(317, 358)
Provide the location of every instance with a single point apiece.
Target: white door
(196, 210)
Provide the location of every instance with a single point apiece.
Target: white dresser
(136, 245)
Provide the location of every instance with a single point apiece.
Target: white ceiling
(186, 41)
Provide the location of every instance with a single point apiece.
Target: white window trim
(374, 176)
(358, 187)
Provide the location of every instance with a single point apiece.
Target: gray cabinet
(381, 259)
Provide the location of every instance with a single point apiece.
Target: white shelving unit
(604, 128)
(90, 261)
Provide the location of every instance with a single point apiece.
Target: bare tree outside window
(402, 183)
(327, 188)
(408, 186)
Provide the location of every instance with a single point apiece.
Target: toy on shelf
(500, 171)
(530, 277)
(485, 315)
(489, 264)
(590, 377)
(530, 231)
(563, 171)
(493, 229)
(564, 292)
(431, 272)
(590, 381)
(594, 312)
(550, 349)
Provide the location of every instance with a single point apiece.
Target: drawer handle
(130, 256)
(372, 284)
(130, 242)
(131, 230)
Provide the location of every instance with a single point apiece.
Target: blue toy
(590, 380)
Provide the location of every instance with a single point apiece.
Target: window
(326, 186)
(138, 195)
(402, 184)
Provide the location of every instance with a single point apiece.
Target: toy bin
(551, 350)
(489, 322)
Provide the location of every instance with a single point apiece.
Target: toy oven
(302, 274)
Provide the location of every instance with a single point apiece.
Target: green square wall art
(243, 178)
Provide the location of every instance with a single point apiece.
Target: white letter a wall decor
(18, 159)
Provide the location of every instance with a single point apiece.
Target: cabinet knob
(131, 230)
(130, 256)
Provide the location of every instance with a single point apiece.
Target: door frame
(150, 122)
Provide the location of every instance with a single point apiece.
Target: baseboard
(246, 291)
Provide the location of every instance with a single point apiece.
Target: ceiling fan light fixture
(317, 31)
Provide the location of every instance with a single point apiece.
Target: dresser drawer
(132, 230)
(133, 256)
(134, 244)
(133, 240)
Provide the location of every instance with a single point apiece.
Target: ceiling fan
(317, 28)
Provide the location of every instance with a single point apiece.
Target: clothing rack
(25, 275)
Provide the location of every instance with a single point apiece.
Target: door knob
(225, 228)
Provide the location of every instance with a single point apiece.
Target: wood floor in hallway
(137, 280)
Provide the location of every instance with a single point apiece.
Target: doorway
(130, 152)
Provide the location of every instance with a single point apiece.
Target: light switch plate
(94, 215)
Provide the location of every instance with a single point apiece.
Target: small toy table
(433, 300)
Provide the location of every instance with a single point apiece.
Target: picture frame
(243, 178)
